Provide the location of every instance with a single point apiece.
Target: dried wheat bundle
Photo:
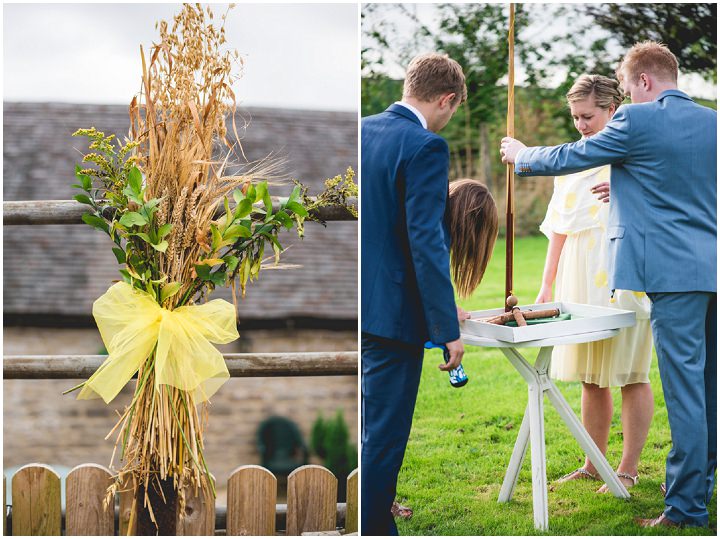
(181, 225)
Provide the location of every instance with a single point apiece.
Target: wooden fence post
(127, 499)
(198, 517)
(351, 511)
(86, 512)
(36, 501)
(251, 497)
(312, 500)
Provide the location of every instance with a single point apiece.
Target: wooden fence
(251, 490)
(251, 504)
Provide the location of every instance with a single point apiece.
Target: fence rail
(239, 365)
(251, 504)
(69, 212)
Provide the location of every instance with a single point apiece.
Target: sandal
(622, 475)
(583, 473)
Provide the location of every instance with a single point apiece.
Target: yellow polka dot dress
(582, 277)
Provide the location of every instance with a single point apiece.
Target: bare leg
(637, 412)
(597, 410)
(596, 407)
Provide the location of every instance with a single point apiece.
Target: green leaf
(264, 229)
(126, 276)
(243, 209)
(232, 262)
(237, 231)
(133, 218)
(169, 290)
(216, 237)
(295, 194)
(83, 199)
(262, 193)
(152, 203)
(238, 196)
(203, 272)
(251, 194)
(85, 181)
(164, 230)
(143, 236)
(95, 221)
(218, 278)
(284, 219)
(135, 180)
(228, 214)
(128, 192)
(162, 246)
(297, 209)
(119, 254)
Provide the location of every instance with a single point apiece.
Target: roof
(54, 270)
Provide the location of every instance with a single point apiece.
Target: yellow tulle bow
(131, 323)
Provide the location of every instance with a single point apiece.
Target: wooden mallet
(512, 302)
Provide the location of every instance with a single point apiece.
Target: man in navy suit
(407, 297)
(662, 231)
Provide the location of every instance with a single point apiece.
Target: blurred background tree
(554, 44)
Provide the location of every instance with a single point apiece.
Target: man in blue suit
(407, 297)
(662, 231)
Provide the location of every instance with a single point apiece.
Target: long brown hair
(473, 223)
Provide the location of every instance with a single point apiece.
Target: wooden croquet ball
(511, 301)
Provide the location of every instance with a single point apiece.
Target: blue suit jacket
(405, 275)
(662, 226)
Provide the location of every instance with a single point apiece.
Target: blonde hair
(649, 57)
(430, 76)
(605, 91)
(473, 226)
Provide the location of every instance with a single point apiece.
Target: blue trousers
(684, 326)
(389, 385)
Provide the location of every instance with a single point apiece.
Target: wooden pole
(509, 172)
(239, 365)
(69, 212)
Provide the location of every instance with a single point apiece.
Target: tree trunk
(485, 163)
(468, 145)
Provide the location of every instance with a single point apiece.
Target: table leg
(516, 460)
(586, 442)
(537, 456)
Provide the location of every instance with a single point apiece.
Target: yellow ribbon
(131, 324)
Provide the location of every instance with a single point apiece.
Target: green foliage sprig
(233, 247)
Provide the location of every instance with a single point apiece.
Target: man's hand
(456, 350)
(509, 148)
(602, 191)
(462, 314)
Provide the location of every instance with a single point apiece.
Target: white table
(533, 428)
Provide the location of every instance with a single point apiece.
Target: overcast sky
(302, 56)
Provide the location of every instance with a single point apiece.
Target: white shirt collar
(415, 111)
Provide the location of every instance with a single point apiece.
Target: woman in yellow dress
(576, 261)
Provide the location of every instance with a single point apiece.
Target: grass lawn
(462, 439)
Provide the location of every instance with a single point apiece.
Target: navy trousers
(685, 330)
(389, 385)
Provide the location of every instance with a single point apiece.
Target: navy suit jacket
(662, 226)
(405, 275)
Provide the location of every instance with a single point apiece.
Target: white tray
(585, 319)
